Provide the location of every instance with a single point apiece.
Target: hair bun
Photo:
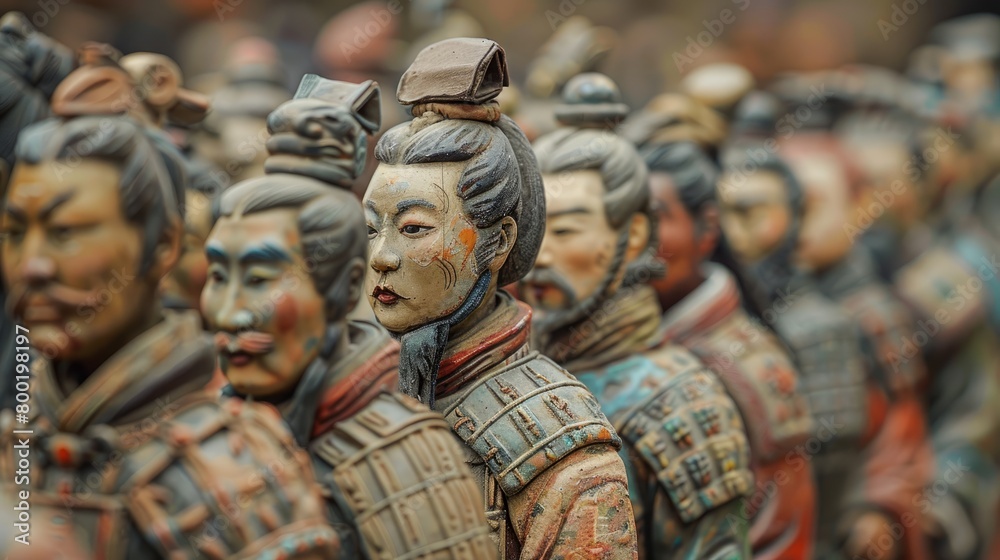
(322, 132)
(591, 100)
(457, 79)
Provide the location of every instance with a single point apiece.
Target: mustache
(62, 296)
(551, 278)
(251, 342)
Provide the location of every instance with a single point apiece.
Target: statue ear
(168, 247)
(355, 282)
(639, 230)
(707, 230)
(508, 237)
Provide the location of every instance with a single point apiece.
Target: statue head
(287, 254)
(91, 224)
(598, 226)
(454, 208)
(31, 66)
(682, 181)
(831, 188)
(760, 212)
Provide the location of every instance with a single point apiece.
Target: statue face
(889, 171)
(269, 319)
(678, 239)
(183, 284)
(421, 245)
(578, 246)
(754, 213)
(71, 260)
(823, 241)
(240, 147)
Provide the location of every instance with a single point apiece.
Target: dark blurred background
(345, 38)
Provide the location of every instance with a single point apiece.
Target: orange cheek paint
(468, 239)
(285, 314)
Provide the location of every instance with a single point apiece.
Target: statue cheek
(286, 315)
(425, 251)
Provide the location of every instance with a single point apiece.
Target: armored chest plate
(404, 478)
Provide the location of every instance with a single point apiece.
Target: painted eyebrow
(577, 210)
(17, 213)
(265, 252)
(56, 202)
(216, 253)
(404, 205)
(22, 216)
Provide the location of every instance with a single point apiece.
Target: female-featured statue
(285, 269)
(455, 208)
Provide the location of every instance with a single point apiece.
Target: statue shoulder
(527, 416)
(689, 432)
(763, 380)
(400, 472)
(887, 326)
(204, 481)
(938, 287)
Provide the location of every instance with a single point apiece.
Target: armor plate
(830, 367)
(202, 480)
(403, 476)
(524, 418)
(687, 429)
(762, 380)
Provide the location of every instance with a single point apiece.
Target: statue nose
(38, 270)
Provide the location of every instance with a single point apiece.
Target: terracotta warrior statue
(287, 259)
(175, 110)
(703, 311)
(31, 66)
(686, 449)
(234, 134)
(124, 455)
(456, 208)
(870, 454)
(946, 275)
(901, 464)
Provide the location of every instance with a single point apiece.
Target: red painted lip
(386, 296)
(239, 358)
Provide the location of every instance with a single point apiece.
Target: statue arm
(577, 508)
(897, 467)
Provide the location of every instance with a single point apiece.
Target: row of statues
(637, 335)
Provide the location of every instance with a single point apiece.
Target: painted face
(893, 191)
(421, 244)
(239, 148)
(753, 213)
(268, 317)
(185, 281)
(823, 240)
(678, 240)
(578, 246)
(71, 260)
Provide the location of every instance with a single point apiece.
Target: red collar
(495, 340)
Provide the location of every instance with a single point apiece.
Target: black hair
(152, 178)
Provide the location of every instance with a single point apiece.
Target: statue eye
(414, 229)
